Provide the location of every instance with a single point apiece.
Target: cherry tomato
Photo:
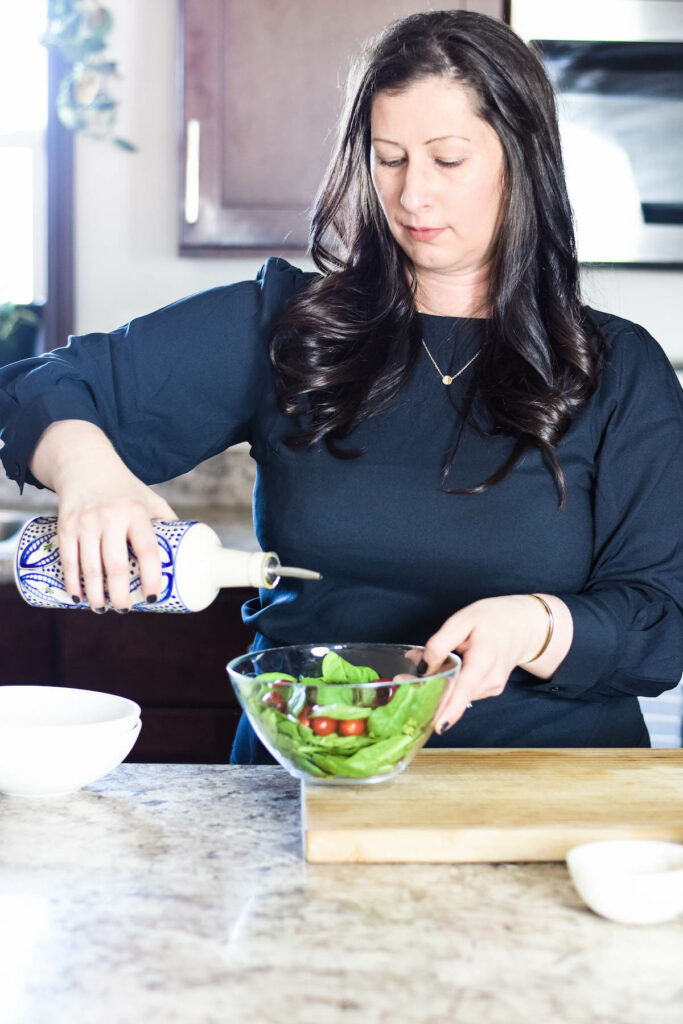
(323, 726)
(274, 700)
(305, 715)
(352, 727)
(385, 693)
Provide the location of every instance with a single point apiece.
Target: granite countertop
(177, 894)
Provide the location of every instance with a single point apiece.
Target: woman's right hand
(102, 508)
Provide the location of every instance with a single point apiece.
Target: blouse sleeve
(628, 621)
(169, 389)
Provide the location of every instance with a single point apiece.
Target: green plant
(18, 328)
(12, 316)
(78, 29)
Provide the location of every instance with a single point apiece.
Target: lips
(423, 234)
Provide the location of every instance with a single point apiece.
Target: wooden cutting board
(491, 805)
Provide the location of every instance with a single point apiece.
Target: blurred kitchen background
(157, 149)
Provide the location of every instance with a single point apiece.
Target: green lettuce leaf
(388, 719)
(274, 677)
(337, 670)
(425, 700)
(328, 695)
(339, 711)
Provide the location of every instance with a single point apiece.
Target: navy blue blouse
(398, 553)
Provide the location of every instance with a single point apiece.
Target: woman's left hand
(493, 636)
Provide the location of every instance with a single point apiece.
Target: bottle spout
(273, 571)
(300, 574)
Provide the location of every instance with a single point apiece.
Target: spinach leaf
(335, 744)
(337, 670)
(334, 695)
(339, 711)
(371, 760)
(286, 727)
(389, 718)
(425, 700)
(380, 755)
(274, 677)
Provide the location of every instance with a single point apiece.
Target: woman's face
(437, 169)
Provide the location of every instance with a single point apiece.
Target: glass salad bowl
(341, 714)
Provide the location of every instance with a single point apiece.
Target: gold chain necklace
(445, 377)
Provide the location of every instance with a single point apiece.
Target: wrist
(68, 447)
(544, 665)
(550, 627)
(533, 629)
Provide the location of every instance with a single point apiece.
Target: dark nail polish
(76, 600)
(123, 611)
(151, 599)
(100, 611)
(443, 727)
(422, 667)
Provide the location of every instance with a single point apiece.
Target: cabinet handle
(192, 172)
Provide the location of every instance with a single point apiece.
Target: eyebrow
(439, 138)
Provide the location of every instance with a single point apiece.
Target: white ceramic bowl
(63, 707)
(54, 740)
(632, 881)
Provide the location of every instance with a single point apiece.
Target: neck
(444, 294)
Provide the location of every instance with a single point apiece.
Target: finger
(414, 655)
(452, 635)
(446, 698)
(162, 511)
(457, 706)
(144, 543)
(68, 553)
(91, 565)
(116, 566)
(468, 685)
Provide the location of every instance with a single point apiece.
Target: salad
(345, 729)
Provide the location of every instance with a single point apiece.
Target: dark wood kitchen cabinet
(261, 85)
(172, 665)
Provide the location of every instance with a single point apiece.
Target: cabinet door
(262, 86)
(28, 641)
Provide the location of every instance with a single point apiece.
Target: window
(23, 119)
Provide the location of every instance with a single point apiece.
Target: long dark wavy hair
(345, 345)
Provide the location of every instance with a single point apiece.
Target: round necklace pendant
(446, 380)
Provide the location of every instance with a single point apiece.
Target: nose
(416, 193)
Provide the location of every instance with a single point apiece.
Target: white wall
(126, 245)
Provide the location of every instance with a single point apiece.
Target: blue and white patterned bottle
(194, 567)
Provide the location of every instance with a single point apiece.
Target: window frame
(33, 140)
(59, 148)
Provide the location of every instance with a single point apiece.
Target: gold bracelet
(551, 627)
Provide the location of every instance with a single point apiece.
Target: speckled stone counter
(168, 894)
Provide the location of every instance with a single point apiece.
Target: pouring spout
(300, 574)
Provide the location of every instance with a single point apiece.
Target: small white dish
(57, 768)
(631, 881)
(64, 707)
(54, 739)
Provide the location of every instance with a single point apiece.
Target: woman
(473, 459)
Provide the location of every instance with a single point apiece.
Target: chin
(433, 261)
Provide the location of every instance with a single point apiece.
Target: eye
(449, 163)
(389, 163)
